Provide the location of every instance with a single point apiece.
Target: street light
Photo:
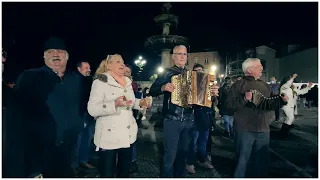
(160, 69)
(221, 77)
(213, 68)
(140, 62)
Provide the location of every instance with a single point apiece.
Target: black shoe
(134, 167)
(285, 130)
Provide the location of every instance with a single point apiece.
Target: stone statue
(166, 29)
(166, 7)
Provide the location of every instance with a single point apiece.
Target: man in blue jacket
(275, 90)
(50, 101)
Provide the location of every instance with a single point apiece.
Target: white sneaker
(206, 165)
(190, 169)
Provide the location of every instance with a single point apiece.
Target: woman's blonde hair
(104, 65)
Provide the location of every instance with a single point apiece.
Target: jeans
(255, 144)
(228, 123)
(84, 143)
(177, 139)
(198, 146)
(108, 163)
(134, 152)
(209, 142)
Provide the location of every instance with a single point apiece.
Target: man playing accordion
(251, 101)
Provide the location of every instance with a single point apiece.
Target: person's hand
(310, 84)
(168, 87)
(248, 96)
(215, 91)
(294, 76)
(122, 101)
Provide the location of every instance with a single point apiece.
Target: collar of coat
(107, 78)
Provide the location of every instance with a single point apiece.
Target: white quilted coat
(115, 127)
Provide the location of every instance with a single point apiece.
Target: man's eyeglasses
(4, 54)
(181, 54)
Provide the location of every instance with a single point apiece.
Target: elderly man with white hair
(251, 123)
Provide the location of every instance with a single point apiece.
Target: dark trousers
(108, 164)
(177, 139)
(277, 113)
(12, 145)
(51, 160)
(84, 144)
(198, 147)
(209, 142)
(255, 144)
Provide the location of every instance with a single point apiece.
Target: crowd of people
(54, 114)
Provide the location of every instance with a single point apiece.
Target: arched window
(196, 59)
(206, 60)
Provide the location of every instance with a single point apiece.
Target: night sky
(93, 30)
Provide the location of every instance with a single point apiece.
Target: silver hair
(248, 64)
(177, 47)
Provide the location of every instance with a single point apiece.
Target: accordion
(265, 103)
(192, 88)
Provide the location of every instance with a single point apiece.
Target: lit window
(196, 60)
(206, 61)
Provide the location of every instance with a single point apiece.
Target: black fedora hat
(54, 43)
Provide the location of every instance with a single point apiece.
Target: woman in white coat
(111, 102)
(285, 88)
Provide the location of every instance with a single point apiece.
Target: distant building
(303, 62)
(207, 59)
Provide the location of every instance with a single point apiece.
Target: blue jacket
(51, 105)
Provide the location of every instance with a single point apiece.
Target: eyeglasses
(4, 54)
(181, 54)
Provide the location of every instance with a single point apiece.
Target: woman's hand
(122, 102)
(294, 76)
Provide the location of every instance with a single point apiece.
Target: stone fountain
(164, 43)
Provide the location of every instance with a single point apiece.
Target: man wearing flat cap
(50, 101)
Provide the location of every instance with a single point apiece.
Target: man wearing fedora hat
(50, 101)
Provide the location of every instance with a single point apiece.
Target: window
(196, 60)
(206, 60)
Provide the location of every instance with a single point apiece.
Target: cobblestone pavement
(291, 157)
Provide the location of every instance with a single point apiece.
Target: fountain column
(164, 43)
(165, 58)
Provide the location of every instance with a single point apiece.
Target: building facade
(207, 59)
(304, 63)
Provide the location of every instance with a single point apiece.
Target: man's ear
(249, 70)
(79, 69)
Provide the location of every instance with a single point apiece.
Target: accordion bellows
(192, 88)
(265, 103)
